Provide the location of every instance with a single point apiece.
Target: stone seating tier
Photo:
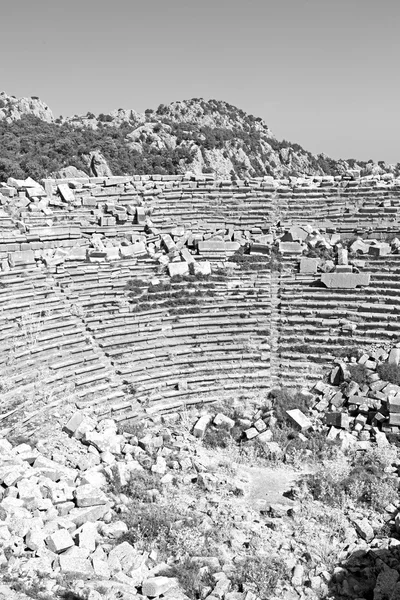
(257, 328)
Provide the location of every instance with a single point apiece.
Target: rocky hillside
(194, 135)
(211, 137)
(13, 109)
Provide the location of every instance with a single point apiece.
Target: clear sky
(323, 73)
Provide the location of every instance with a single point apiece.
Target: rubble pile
(63, 516)
(365, 411)
(59, 521)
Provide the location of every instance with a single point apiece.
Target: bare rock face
(68, 173)
(98, 166)
(12, 109)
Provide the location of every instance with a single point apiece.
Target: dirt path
(267, 486)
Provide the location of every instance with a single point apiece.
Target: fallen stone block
(66, 193)
(222, 420)
(123, 557)
(364, 529)
(59, 541)
(202, 268)
(309, 265)
(74, 422)
(89, 495)
(79, 516)
(394, 419)
(140, 215)
(299, 419)
(155, 586)
(251, 433)
(178, 268)
(75, 567)
(342, 256)
(394, 404)
(22, 258)
(345, 280)
(201, 426)
(290, 248)
(394, 356)
(338, 419)
(87, 536)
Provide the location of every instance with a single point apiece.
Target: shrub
(169, 528)
(148, 523)
(284, 399)
(359, 374)
(139, 485)
(217, 437)
(361, 478)
(192, 578)
(389, 372)
(260, 574)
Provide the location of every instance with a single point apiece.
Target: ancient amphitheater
(130, 295)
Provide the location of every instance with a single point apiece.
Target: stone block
(342, 256)
(75, 567)
(89, 495)
(178, 268)
(337, 400)
(21, 258)
(364, 529)
(140, 215)
(309, 265)
(344, 269)
(201, 426)
(299, 419)
(394, 356)
(73, 423)
(87, 536)
(59, 541)
(156, 586)
(202, 268)
(338, 419)
(66, 193)
(124, 556)
(221, 419)
(187, 255)
(345, 280)
(260, 425)
(360, 247)
(112, 253)
(251, 433)
(101, 568)
(290, 248)
(79, 516)
(394, 419)
(394, 404)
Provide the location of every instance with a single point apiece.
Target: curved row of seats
(78, 330)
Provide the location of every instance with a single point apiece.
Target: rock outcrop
(12, 108)
(98, 166)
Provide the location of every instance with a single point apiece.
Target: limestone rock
(89, 495)
(98, 166)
